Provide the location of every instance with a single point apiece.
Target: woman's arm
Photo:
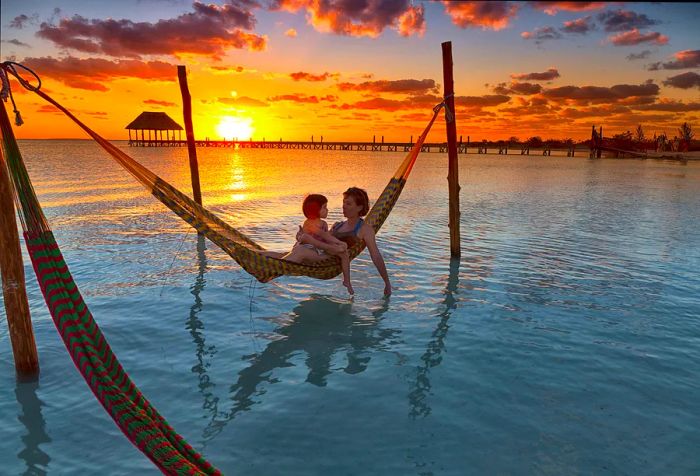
(367, 234)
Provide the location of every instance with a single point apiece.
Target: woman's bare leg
(345, 265)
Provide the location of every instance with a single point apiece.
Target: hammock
(91, 354)
(237, 245)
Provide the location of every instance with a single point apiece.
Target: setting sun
(235, 127)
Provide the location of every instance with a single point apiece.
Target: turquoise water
(565, 341)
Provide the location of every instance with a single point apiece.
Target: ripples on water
(565, 340)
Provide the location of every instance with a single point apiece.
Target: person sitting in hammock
(318, 240)
(355, 206)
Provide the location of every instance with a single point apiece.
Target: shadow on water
(320, 327)
(432, 357)
(36, 460)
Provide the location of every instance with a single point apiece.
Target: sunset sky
(352, 69)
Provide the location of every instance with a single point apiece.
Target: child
(315, 208)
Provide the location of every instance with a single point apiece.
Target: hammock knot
(448, 114)
(10, 67)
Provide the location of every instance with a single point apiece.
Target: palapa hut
(156, 122)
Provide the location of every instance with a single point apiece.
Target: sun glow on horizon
(235, 127)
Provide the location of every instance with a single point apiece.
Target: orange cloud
(156, 102)
(243, 101)
(551, 8)
(292, 33)
(634, 37)
(401, 86)
(299, 76)
(354, 18)
(93, 73)
(208, 31)
(303, 98)
(684, 59)
(487, 15)
(412, 22)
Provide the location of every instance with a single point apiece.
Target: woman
(355, 206)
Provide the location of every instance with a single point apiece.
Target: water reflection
(320, 327)
(196, 327)
(432, 357)
(36, 460)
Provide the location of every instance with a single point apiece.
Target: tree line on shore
(683, 141)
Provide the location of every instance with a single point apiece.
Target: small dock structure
(155, 123)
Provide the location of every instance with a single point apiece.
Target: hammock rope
(237, 245)
(87, 346)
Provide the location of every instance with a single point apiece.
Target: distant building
(156, 122)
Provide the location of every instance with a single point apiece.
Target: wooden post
(191, 149)
(453, 161)
(14, 293)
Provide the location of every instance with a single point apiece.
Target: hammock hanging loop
(10, 67)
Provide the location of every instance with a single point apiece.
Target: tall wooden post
(191, 149)
(453, 164)
(14, 293)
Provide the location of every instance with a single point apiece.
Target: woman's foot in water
(349, 286)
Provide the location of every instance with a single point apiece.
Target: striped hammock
(237, 245)
(91, 354)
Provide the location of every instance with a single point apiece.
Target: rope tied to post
(10, 67)
(448, 113)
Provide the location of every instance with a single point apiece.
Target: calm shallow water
(566, 340)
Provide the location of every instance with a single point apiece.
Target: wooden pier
(438, 147)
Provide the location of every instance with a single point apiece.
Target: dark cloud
(684, 81)
(684, 59)
(541, 34)
(94, 73)
(548, 75)
(20, 21)
(601, 94)
(485, 15)
(488, 100)
(551, 8)
(396, 86)
(16, 43)
(302, 76)
(642, 55)
(580, 25)
(524, 89)
(624, 20)
(634, 37)
(670, 106)
(208, 31)
(358, 18)
(473, 103)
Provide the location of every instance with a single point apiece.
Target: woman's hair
(313, 204)
(360, 197)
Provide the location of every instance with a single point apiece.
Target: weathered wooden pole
(191, 149)
(453, 161)
(14, 293)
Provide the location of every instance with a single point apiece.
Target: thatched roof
(158, 121)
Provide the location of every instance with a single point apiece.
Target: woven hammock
(240, 247)
(91, 354)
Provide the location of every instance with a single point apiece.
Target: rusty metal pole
(191, 148)
(14, 293)
(453, 164)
